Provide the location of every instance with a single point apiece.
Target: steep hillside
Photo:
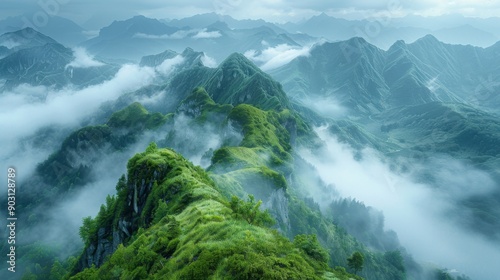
(365, 79)
(177, 223)
(235, 81)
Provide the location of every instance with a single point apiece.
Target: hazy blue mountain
(140, 36)
(128, 39)
(157, 59)
(204, 20)
(415, 101)
(63, 30)
(338, 29)
(40, 60)
(190, 57)
(363, 78)
(452, 21)
(24, 38)
(466, 35)
(349, 71)
(383, 31)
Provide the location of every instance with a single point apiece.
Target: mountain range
(215, 168)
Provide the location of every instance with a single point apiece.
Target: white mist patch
(83, 59)
(27, 111)
(208, 61)
(169, 65)
(326, 106)
(45, 107)
(66, 215)
(10, 44)
(204, 34)
(415, 211)
(193, 141)
(181, 34)
(274, 57)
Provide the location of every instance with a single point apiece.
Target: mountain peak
(241, 60)
(26, 38)
(322, 15)
(398, 45)
(237, 80)
(429, 39)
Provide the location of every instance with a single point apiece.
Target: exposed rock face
(278, 207)
(97, 253)
(139, 186)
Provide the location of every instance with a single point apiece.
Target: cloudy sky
(271, 10)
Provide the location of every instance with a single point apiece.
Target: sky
(280, 11)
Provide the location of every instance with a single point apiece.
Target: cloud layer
(274, 57)
(83, 59)
(417, 212)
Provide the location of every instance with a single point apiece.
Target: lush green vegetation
(136, 117)
(189, 230)
(356, 261)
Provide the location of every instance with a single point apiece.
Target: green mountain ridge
(264, 134)
(196, 235)
(171, 218)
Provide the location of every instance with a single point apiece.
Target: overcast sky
(271, 10)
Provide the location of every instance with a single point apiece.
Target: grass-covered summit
(182, 227)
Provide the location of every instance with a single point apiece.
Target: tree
(88, 230)
(310, 245)
(356, 261)
(250, 212)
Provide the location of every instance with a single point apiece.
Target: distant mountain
(140, 36)
(350, 71)
(204, 20)
(383, 32)
(128, 39)
(24, 38)
(414, 101)
(39, 60)
(466, 35)
(63, 30)
(235, 81)
(364, 78)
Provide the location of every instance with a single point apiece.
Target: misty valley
(210, 147)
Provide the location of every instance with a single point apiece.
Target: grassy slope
(196, 236)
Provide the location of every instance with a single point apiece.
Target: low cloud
(43, 106)
(181, 34)
(208, 61)
(274, 57)
(83, 59)
(169, 65)
(37, 119)
(416, 211)
(326, 106)
(9, 44)
(204, 34)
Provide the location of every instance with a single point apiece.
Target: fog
(83, 59)
(65, 216)
(416, 211)
(274, 57)
(41, 117)
(182, 34)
